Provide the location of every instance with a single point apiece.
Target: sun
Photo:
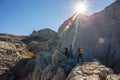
(80, 8)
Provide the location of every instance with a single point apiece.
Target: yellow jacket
(81, 51)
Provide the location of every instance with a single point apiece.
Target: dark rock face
(98, 34)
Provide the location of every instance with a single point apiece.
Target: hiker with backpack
(80, 54)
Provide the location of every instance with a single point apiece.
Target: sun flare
(80, 8)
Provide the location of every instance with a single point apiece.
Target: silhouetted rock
(97, 34)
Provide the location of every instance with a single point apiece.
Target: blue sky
(21, 17)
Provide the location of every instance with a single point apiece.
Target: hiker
(80, 54)
(70, 51)
(66, 52)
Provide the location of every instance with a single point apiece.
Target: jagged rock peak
(41, 35)
(44, 34)
(43, 31)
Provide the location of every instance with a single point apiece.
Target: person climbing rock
(80, 54)
(66, 52)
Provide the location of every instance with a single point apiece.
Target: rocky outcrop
(41, 36)
(15, 55)
(98, 34)
(44, 34)
(12, 51)
(43, 43)
(42, 40)
(92, 71)
(9, 51)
